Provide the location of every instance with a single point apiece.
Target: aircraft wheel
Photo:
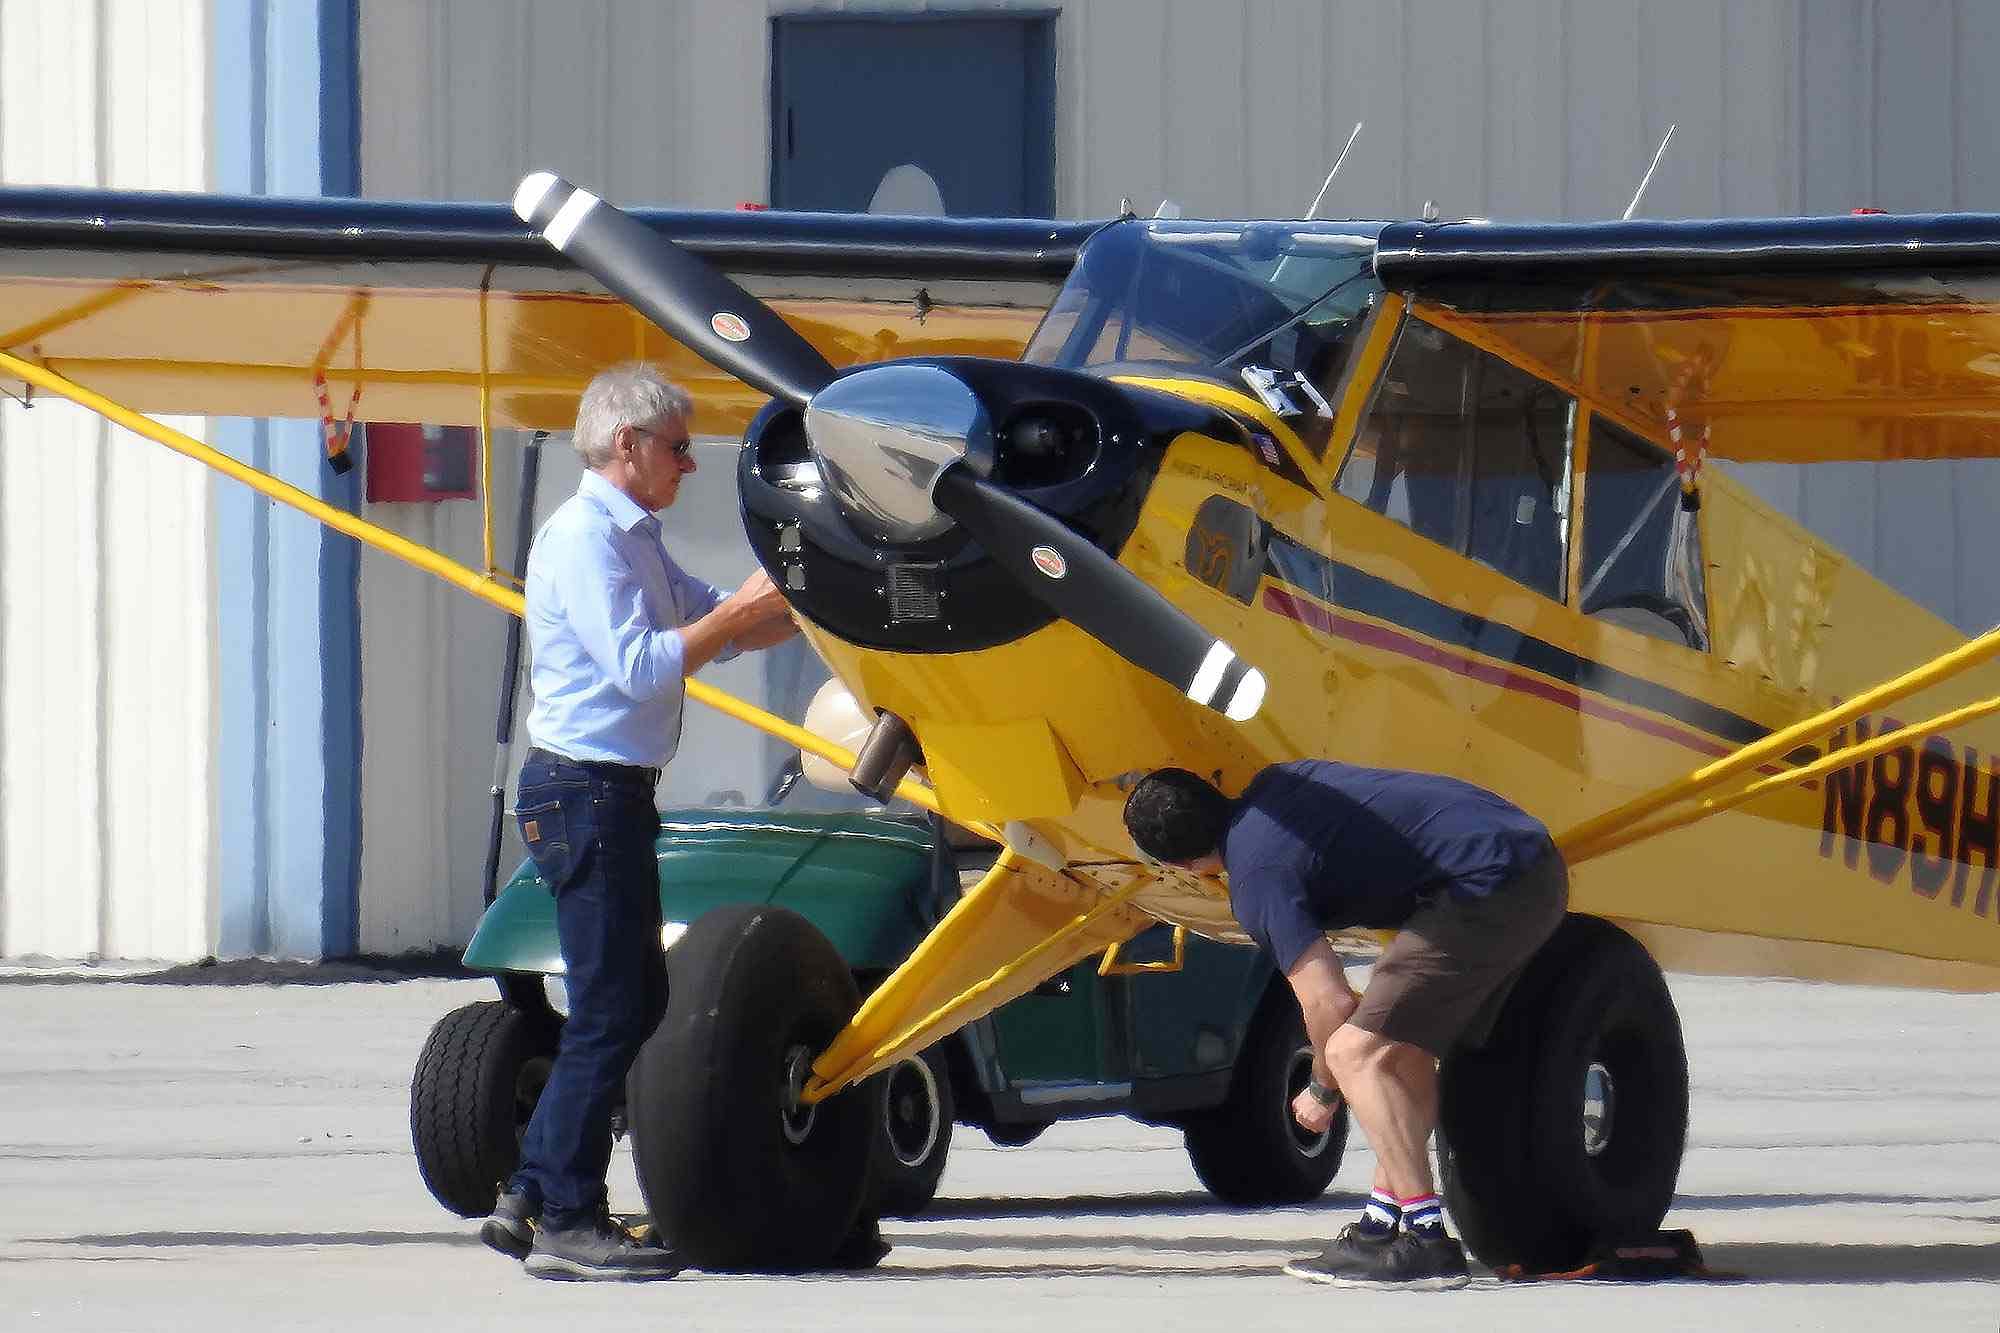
(1566, 1130)
(738, 1173)
(914, 1135)
(1249, 1151)
(475, 1086)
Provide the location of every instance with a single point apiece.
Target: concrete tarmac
(223, 1158)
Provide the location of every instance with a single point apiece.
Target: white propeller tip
(529, 194)
(1249, 697)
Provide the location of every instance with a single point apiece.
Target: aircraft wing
(232, 306)
(1775, 340)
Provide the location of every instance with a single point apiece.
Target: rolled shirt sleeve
(696, 598)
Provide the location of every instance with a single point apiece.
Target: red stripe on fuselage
(1314, 616)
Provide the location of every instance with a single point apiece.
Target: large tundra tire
(738, 1174)
(476, 1084)
(1565, 1131)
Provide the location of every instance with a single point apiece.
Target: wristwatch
(1322, 1094)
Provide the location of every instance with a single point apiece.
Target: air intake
(914, 594)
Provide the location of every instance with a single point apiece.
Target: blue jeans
(592, 838)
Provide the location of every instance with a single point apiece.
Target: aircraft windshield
(1285, 296)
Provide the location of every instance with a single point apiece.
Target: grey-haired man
(614, 627)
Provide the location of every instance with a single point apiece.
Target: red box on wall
(410, 462)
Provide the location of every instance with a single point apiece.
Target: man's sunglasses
(683, 447)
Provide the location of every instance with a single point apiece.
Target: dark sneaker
(1407, 1261)
(511, 1228)
(599, 1251)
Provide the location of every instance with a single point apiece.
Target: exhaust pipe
(884, 757)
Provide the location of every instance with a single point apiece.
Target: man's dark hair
(1173, 815)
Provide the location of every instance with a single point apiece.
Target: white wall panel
(1368, 78)
(106, 633)
(1119, 53)
(1445, 99)
(1527, 128)
(1285, 119)
(1201, 130)
(1683, 53)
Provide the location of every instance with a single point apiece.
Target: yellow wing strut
(1622, 826)
(431, 562)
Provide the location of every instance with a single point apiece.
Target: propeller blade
(688, 297)
(1099, 596)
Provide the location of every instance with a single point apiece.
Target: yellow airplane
(1427, 495)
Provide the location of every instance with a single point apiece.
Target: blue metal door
(914, 113)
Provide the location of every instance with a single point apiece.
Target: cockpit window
(1282, 297)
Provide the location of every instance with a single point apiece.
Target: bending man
(1475, 887)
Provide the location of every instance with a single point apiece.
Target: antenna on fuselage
(1326, 184)
(1661, 152)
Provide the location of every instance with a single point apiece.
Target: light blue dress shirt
(604, 605)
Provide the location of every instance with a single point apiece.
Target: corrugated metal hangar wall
(107, 659)
(1508, 108)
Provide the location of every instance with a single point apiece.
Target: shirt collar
(623, 509)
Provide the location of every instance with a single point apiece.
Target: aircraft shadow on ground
(256, 1240)
(1808, 1264)
(1188, 1202)
(1086, 1242)
(1741, 1202)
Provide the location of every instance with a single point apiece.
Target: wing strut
(487, 589)
(1628, 823)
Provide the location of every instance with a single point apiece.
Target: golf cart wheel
(1565, 1131)
(1017, 1133)
(475, 1087)
(738, 1173)
(914, 1135)
(1249, 1151)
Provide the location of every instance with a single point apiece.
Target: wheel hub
(1297, 1075)
(797, 1116)
(912, 1111)
(1600, 1102)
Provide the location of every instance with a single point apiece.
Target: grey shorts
(1444, 977)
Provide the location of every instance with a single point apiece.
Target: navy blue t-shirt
(1314, 846)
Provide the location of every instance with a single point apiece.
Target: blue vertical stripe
(287, 122)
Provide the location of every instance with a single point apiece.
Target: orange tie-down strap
(1660, 1257)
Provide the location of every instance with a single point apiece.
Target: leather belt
(601, 767)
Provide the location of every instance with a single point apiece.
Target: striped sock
(1423, 1212)
(1379, 1218)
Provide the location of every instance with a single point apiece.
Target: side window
(1642, 565)
(1469, 451)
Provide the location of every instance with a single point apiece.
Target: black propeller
(700, 307)
(1098, 595)
(685, 295)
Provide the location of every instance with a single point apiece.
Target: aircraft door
(1474, 455)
